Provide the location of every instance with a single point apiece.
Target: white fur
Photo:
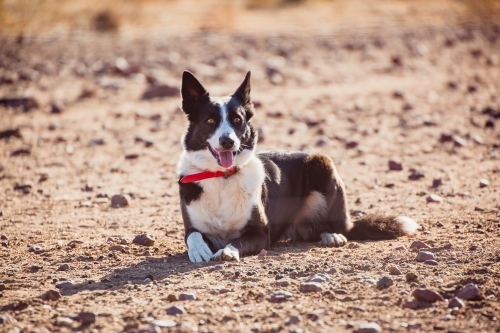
(224, 128)
(229, 253)
(335, 240)
(198, 250)
(225, 205)
(409, 225)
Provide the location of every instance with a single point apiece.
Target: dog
(236, 202)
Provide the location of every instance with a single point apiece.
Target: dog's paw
(198, 250)
(229, 253)
(332, 240)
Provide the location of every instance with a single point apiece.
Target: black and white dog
(236, 202)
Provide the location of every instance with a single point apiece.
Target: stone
(172, 298)
(280, 296)
(318, 278)
(120, 200)
(369, 327)
(216, 268)
(23, 104)
(436, 182)
(63, 267)
(384, 283)
(65, 285)
(456, 302)
(458, 141)
(424, 255)
(36, 249)
(483, 183)
(11, 132)
(176, 310)
(64, 321)
(86, 318)
(282, 283)
(35, 268)
(401, 248)
(434, 198)
(57, 107)
(51, 295)
(410, 276)
(163, 323)
(416, 175)
(119, 248)
(431, 262)
(307, 287)
(419, 245)
(427, 295)
(2, 286)
(394, 270)
(293, 320)
(187, 297)
(395, 166)
(144, 240)
(262, 254)
(469, 292)
(340, 291)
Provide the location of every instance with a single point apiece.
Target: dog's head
(219, 134)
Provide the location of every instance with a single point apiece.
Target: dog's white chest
(225, 206)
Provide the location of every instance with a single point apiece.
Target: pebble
(2, 286)
(436, 182)
(293, 320)
(187, 297)
(63, 267)
(172, 298)
(424, 255)
(57, 107)
(307, 287)
(369, 327)
(280, 296)
(384, 283)
(36, 249)
(434, 198)
(86, 318)
(144, 240)
(262, 254)
(456, 302)
(483, 183)
(216, 268)
(470, 291)
(51, 295)
(175, 310)
(64, 285)
(458, 141)
(427, 295)
(395, 166)
(401, 248)
(439, 224)
(340, 291)
(163, 323)
(318, 278)
(419, 245)
(394, 270)
(431, 262)
(64, 321)
(120, 200)
(410, 276)
(282, 283)
(416, 175)
(35, 268)
(120, 248)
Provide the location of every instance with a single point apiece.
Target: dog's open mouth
(224, 158)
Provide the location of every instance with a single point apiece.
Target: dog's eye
(237, 120)
(210, 121)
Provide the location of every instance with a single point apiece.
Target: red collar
(208, 174)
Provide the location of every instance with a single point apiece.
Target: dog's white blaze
(224, 128)
(408, 224)
(314, 207)
(225, 206)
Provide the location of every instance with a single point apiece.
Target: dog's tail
(377, 227)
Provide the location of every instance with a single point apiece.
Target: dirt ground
(426, 97)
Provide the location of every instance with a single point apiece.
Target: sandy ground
(425, 98)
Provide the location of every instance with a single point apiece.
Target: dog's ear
(243, 94)
(193, 95)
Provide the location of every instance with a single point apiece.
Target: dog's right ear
(193, 95)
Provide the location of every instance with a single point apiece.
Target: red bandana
(207, 174)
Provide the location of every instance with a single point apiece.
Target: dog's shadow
(161, 269)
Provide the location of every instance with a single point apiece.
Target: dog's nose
(226, 142)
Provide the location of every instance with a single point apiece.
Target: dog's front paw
(332, 240)
(229, 253)
(198, 250)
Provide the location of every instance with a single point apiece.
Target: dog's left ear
(243, 94)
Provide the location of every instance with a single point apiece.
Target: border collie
(236, 202)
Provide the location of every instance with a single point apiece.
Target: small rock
(427, 295)
(282, 283)
(436, 182)
(120, 200)
(216, 268)
(439, 224)
(86, 318)
(172, 298)
(411, 304)
(407, 107)
(394, 270)
(424, 255)
(456, 303)
(64, 321)
(280, 296)
(419, 245)
(369, 327)
(470, 291)
(478, 209)
(23, 104)
(144, 240)
(160, 91)
(262, 254)
(322, 142)
(384, 283)
(57, 107)
(434, 198)
(340, 291)
(63, 267)
(319, 278)
(64, 285)
(473, 248)
(307, 287)
(11, 132)
(187, 297)
(458, 141)
(431, 262)
(23, 187)
(51, 295)
(416, 175)
(163, 323)
(395, 166)
(119, 248)
(176, 310)
(35, 268)
(401, 248)
(293, 320)
(36, 249)
(410, 277)
(2, 286)
(483, 183)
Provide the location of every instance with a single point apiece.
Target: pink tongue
(226, 159)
